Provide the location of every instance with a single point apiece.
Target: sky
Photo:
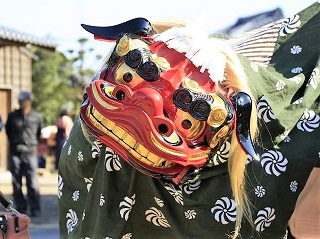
(60, 20)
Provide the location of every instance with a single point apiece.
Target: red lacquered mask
(155, 108)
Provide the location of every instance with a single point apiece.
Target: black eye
(148, 71)
(200, 110)
(186, 124)
(127, 77)
(182, 99)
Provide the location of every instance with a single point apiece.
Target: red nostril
(163, 129)
(120, 95)
(164, 125)
(120, 92)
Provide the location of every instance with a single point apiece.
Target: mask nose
(150, 102)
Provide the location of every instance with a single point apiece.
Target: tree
(79, 76)
(59, 80)
(49, 83)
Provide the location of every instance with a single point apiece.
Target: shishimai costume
(157, 151)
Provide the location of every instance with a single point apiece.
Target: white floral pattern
(174, 192)
(264, 110)
(309, 121)
(127, 236)
(221, 155)
(155, 216)
(264, 218)
(126, 206)
(254, 66)
(88, 181)
(190, 214)
(290, 25)
(296, 70)
(80, 156)
(224, 210)
(190, 186)
(314, 78)
(72, 220)
(298, 101)
(95, 149)
(293, 186)
(102, 200)
(69, 150)
(280, 85)
(60, 186)
(112, 160)
(273, 162)
(296, 49)
(75, 195)
(285, 136)
(259, 191)
(159, 201)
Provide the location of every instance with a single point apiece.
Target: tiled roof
(20, 37)
(253, 22)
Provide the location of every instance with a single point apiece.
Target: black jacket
(24, 131)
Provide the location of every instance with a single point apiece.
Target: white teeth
(127, 141)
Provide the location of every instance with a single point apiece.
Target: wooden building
(15, 75)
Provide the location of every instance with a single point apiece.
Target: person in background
(64, 124)
(23, 129)
(1, 124)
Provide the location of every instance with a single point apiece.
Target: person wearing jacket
(23, 128)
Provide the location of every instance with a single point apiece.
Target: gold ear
(123, 46)
(127, 44)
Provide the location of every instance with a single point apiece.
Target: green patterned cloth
(102, 197)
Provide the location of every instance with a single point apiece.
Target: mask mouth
(127, 141)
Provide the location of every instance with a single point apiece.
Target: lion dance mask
(158, 104)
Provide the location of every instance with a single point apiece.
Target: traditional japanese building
(15, 74)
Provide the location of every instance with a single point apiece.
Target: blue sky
(60, 19)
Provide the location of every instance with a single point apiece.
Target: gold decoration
(197, 126)
(161, 62)
(127, 44)
(217, 116)
(123, 46)
(121, 70)
(220, 134)
(191, 85)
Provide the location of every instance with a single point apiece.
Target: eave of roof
(20, 37)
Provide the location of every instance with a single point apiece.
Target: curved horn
(139, 26)
(243, 106)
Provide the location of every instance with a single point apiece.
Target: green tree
(50, 83)
(79, 76)
(59, 80)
